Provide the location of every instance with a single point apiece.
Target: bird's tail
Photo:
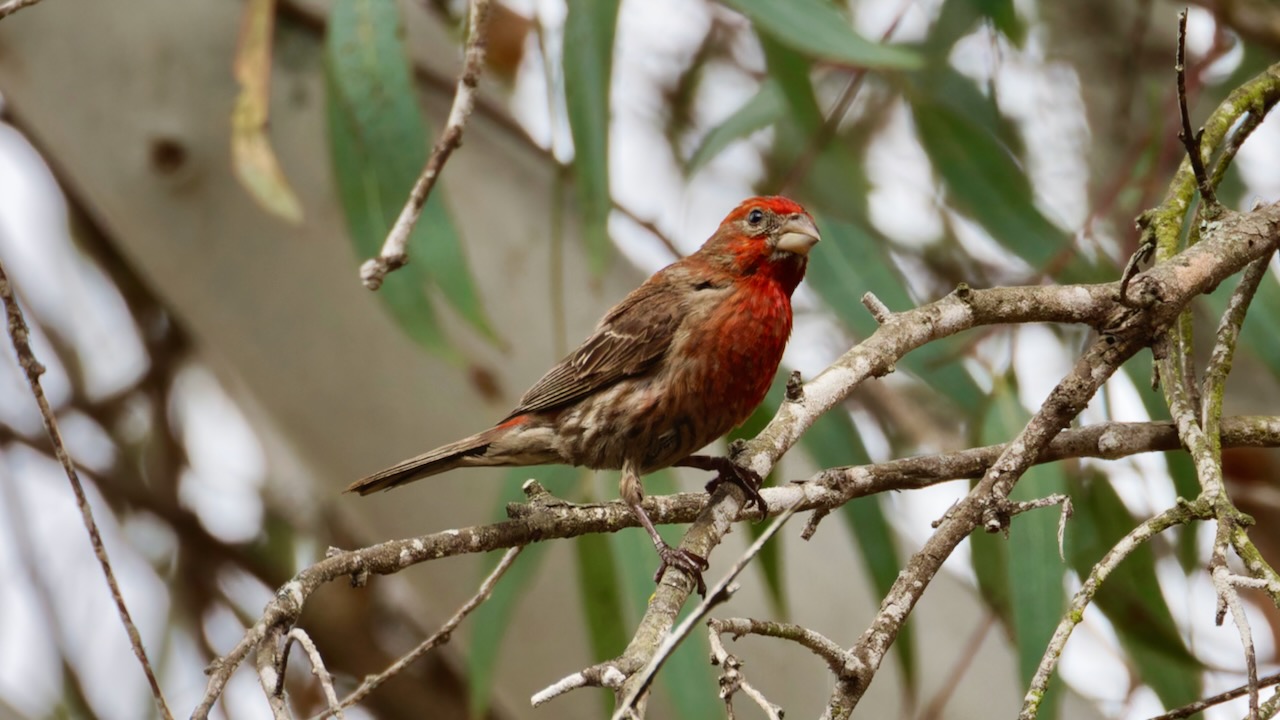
(505, 444)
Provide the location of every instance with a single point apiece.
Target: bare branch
(1190, 140)
(395, 252)
(1224, 583)
(1178, 515)
(20, 335)
(547, 518)
(442, 635)
(732, 679)
(1199, 706)
(876, 307)
(14, 6)
(300, 636)
(835, 656)
(637, 684)
(1215, 375)
(270, 661)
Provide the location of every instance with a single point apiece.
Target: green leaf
(763, 109)
(834, 181)
(852, 258)
(1036, 599)
(958, 18)
(816, 28)
(851, 261)
(833, 441)
(1004, 16)
(588, 63)
(377, 138)
(490, 620)
(1131, 597)
(983, 176)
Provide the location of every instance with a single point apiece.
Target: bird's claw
(690, 563)
(747, 479)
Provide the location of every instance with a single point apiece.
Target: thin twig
(650, 227)
(395, 252)
(1243, 130)
(835, 656)
(1190, 140)
(1199, 706)
(442, 635)
(14, 6)
(732, 679)
(1224, 583)
(1174, 516)
(318, 669)
(876, 307)
(20, 335)
(1219, 366)
(639, 683)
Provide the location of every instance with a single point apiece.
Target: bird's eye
(756, 216)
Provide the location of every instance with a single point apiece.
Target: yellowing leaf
(252, 158)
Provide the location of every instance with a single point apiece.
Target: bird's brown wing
(629, 341)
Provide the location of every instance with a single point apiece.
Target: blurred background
(187, 191)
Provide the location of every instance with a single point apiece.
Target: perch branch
(544, 519)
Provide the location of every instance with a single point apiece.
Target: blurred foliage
(377, 141)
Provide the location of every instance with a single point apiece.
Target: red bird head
(768, 237)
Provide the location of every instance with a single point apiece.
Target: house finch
(683, 359)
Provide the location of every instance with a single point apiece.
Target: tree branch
(14, 6)
(547, 518)
(1181, 514)
(20, 335)
(395, 252)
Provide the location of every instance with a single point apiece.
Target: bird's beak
(798, 235)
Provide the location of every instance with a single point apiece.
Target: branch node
(876, 307)
(795, 387)
(811, 527)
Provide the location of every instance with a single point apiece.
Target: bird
(674, 366)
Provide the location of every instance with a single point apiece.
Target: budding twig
(1190, 140)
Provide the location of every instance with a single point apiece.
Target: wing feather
(629, 341)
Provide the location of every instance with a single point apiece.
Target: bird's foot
(729, 471)
(746, 478)
(689, 563)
